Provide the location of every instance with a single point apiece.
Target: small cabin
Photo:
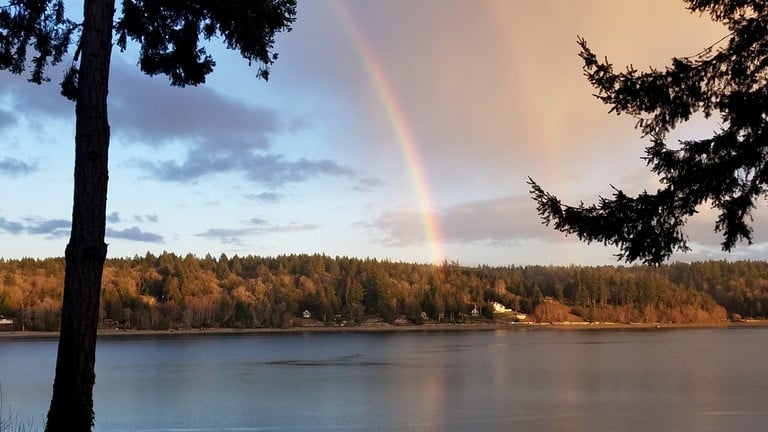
(6, 324)
(499, 308)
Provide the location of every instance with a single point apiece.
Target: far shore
(479, 326)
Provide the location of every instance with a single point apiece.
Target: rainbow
(400, 127)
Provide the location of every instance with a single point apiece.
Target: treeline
(170, 291)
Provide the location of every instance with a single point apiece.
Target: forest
(174, 292)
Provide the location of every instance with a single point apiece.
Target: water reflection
(465, 381)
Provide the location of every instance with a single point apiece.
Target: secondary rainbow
(400, 127)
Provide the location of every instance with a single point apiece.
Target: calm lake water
(657, 380)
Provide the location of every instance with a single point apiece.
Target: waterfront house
(6, 323)
(499, 308)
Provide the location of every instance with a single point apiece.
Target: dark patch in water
(349, 360)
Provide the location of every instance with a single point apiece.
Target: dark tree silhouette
(728, 170)
(169, 34)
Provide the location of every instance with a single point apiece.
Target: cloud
(368, 183)
(292, 228)
(513, 221)
(42, 100)
(497, 221)
(61, 228)
(267, 197)
(509, 218)
(10, 226)
(14, 167)
(372, 182)
(227, 235)
(35, 226)
(148, 110)
(146, 218)
(221, 134)
(269, 169)
(701, 228)
(135, 234)
(256, 226)
(52, 227)
(113, 217)
(399, 228)
(6, 119)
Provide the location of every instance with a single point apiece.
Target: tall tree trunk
(72, 402)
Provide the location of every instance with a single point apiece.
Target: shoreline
(388, 328)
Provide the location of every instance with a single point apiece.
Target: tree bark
(72, 401)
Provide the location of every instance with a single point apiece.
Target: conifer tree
(728, 170)
(170, 35)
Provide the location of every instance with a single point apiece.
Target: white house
(499, 308)
(6, 323)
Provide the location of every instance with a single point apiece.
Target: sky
(399, 130)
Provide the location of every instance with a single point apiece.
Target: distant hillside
(170, 291)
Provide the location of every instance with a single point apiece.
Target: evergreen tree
(168, 33)
(727, 170)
